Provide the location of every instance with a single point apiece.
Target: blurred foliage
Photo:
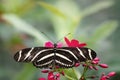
(22, 23)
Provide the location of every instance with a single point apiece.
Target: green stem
(83, 74)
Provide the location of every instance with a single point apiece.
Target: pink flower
(103, 65)
(94, 67)
(103, 78)
(106, 77)
(57, 76)
(95, 63)
(50, 44)
(51, 76)
(62, 73)
(111, 74)
(77, 64)
(41, 79)
(45, 71)
(74, 43)
(96, 60)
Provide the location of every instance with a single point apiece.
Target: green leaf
(25, 7)
(96, 7)
(69, 24)
(26, 73)
(72, 74)
(24, 27)
(103, 31)
(52, 9)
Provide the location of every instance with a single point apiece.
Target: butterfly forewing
(46, 57)
(29, 54)
(78, 54)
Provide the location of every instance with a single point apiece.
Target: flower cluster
(92, 64)
(51, 76)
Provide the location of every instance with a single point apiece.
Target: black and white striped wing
(78, 54)
(43, 55)
(31, 54)
(62, 58)
(65, 57)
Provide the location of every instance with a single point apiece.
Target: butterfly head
(55, 45)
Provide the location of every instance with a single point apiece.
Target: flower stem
(83, 74)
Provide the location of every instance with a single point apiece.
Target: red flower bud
(50, 76)
(97, 59)
(77, 64)
(41, 79)
(103, 78)
(111, 74)
(58, 75)
(62, 73)
(45, 71)
(103, 65)
(95, 68)
(95, 62)
(90, 67)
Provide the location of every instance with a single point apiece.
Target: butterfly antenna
(63, 37)
(48, 37)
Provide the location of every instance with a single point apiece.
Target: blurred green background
(96, 22)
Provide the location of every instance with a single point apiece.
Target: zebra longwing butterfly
(46, 57)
